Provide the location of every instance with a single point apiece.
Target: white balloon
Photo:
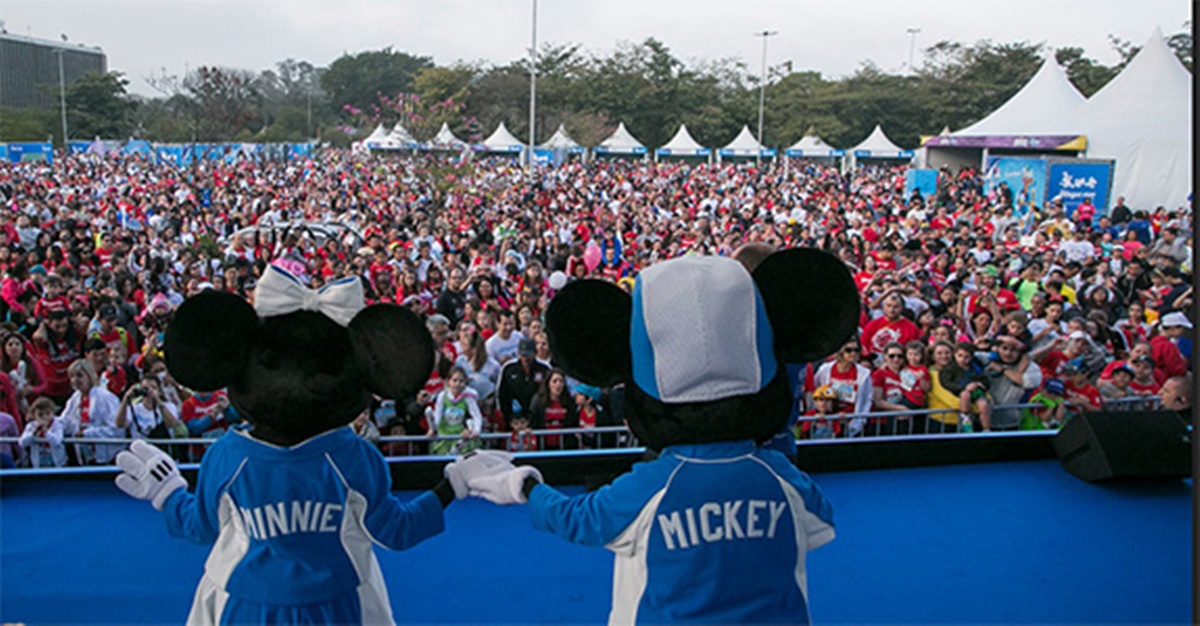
(558, 280)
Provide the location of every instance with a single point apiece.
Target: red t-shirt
(1087, 390)
(889, 382)
(912, 381)
(881, 331)
(1052, 364)
(846, 386)
(556, 417)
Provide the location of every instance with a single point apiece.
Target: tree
(224, 101)
(1182, 44)
(98, 106)
(965, 83)
(1086, 74)
(358, 80)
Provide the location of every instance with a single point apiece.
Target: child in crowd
(455, 412)
(1081, 394)
(1117, 388)
(54, 298)
(521, 439)
(1052, 412)
(965, 376)
(42, 423)
(821, 422)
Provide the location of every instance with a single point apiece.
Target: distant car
(318, 231)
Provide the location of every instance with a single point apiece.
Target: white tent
(560, 139)
(401, 138)
(745, 145)
(878, 146)
(811, 146)
(377, 138)
(1041, 107)
(682, 144)
(1143, 119)
(620, 142)
(445, 140)
(502, 141)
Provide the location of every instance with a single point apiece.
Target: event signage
(822, 153)
(1024, 177)
(24, 152)
(735, 152)
(688, 152)
(870, 154)
(1073, 181)
(627, 150)
(923, 182)
(1019, 142)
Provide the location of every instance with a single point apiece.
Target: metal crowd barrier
(581, 440)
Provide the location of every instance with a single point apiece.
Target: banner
(1024, 177)
(921, 181)
(23, 152)
(1074, 181)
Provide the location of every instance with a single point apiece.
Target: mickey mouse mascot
(716, 528)
(293, 506)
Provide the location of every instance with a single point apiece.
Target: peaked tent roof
(445, 138)
(682, 144)
(379, 134)
(503, 141)
(621, 141)
(401, 136)
(1041, 107)
(813, 146)
(1143, 119)
(877, 145)
(745, 145)
(560, 139)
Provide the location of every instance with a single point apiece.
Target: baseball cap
(527, 347)
(1145, 358)
(1123, 368)
(1075, 366)
(108, 312)
(1055, 386)
(1175, 319)
(672, 361)
(1077, 334)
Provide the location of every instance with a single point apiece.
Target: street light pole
(62, 96)
(762, 93)
(912, 43)
(532, 91)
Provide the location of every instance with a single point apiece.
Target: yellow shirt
(942, 398)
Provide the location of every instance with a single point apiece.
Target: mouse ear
(393, 350)
(208, 340)
(811, 300)
(587, 324)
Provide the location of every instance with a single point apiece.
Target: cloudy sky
(146, 37)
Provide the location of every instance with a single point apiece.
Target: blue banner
(1075, 181)
(921, 181)
(21, 152)
(78, 147)
(3, 151)
(1024, 177)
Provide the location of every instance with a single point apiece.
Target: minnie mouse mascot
(294, 505)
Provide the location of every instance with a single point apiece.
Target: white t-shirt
(503, 349)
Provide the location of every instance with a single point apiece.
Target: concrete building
(29, 68)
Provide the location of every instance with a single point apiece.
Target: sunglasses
(849, 350)
(895, 356)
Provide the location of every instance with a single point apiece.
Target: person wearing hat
(519, 381)
(104, 327)
(1117, 388)
(1145, 379)
(1164, 346)
(1051, 413)
(988, 279)
(1080, 393)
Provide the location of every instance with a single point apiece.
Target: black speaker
(1125, 445)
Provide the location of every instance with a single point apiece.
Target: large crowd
(970, 305)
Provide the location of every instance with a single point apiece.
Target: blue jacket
(293, 529)
(704, 533)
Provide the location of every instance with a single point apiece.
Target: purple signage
(1019, 142)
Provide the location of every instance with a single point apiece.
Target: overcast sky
(145, 37)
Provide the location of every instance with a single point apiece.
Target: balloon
(558, 280)
(591, 257)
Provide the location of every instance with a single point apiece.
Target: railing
(579, 441)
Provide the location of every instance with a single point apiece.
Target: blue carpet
(994, 543)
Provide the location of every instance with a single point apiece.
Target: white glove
(473, 465)
(148, 473)
(506, 487)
